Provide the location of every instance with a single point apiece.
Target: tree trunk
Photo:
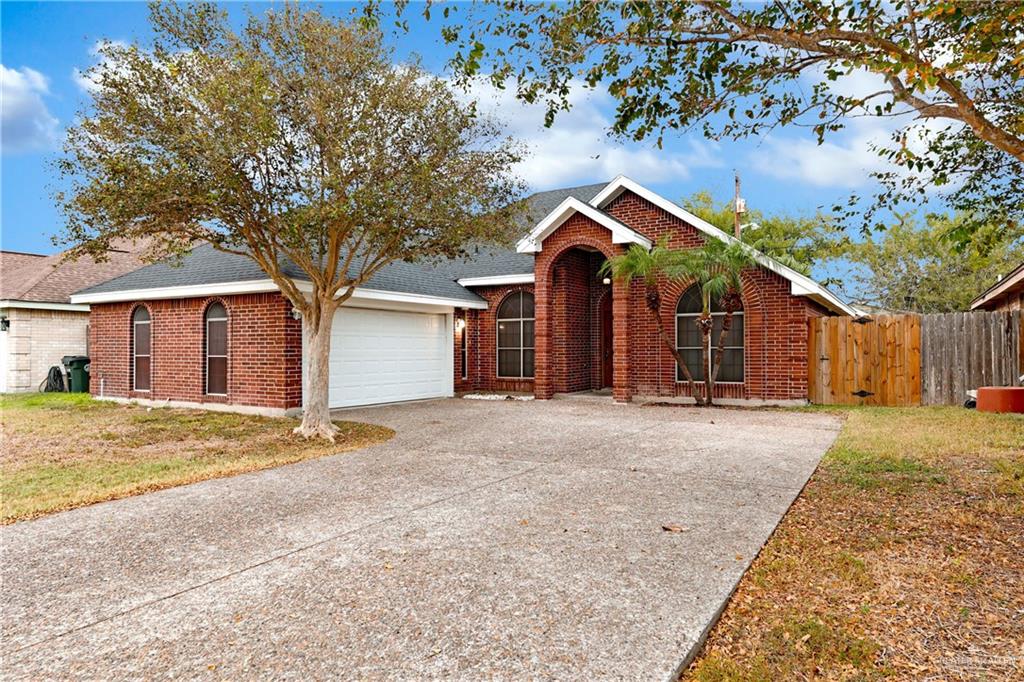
(731, 303)
(705, 323)
(316, 414)
(720, 347)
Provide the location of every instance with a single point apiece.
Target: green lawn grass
(68, 450)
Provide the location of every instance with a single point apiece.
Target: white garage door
(383, 356)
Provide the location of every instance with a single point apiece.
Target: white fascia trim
(40, 305)
(260, 286)
(801, 284)
(420, 299)
(621, 234)
(999, 288)
(183, 291)
(496, 280)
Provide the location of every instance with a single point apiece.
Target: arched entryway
(581, 322)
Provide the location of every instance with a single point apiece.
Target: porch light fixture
(606, 280)
(460, 324)
(5, 324)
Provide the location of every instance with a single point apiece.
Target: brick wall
(37, 340)
(481, 327)
(775, 321)
(264, 351)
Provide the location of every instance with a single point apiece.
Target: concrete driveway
(487, 539)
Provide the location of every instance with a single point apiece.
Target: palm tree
(650, 266)
(730, 262)
(715, 268)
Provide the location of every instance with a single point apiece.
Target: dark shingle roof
(488, 261)
(206, 265)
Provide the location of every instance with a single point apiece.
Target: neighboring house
(537, 318)
(38, 323)
(1006, 294)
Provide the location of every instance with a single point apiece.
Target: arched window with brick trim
(142, 349)
(515, 336)
(689, 341)
(216, 348)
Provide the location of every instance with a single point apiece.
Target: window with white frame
(142, 349)
(690, 343)
(515, 336)
(216, 349)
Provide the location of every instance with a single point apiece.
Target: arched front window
(142, 349)
(688, 338)
(515, 336)
(216, 349)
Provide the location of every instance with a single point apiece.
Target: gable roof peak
(800, 285)
(621, 233)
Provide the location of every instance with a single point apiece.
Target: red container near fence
(1001, 399)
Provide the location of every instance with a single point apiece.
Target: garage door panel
(387, 356)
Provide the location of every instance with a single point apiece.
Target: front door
(606, 340)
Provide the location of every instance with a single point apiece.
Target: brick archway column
(621, 329)
(543, 379)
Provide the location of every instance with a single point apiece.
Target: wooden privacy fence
(900, 360)
(961, 351)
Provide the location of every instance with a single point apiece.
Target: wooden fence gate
(901, 360)
(865, 362)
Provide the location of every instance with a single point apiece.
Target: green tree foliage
(949, 79)
(800, 242)
(916, 268)
(296, 142)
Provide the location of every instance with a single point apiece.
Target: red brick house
(215, 331)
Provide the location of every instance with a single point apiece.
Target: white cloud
(577, 149)
(845, 161)
(87, 81)
(847, 158)
(27, 123)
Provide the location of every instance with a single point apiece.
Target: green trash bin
(77, 367)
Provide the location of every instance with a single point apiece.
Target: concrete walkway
(487, 539)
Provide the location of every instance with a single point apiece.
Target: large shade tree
(947, 76)
(293, 140)
(913, 267)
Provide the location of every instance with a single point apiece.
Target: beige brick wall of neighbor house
(36, 340)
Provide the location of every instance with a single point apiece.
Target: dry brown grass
(66, 450)
(902, 559)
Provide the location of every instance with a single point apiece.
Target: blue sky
(45, 44)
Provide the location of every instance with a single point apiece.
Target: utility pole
(737, 208)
